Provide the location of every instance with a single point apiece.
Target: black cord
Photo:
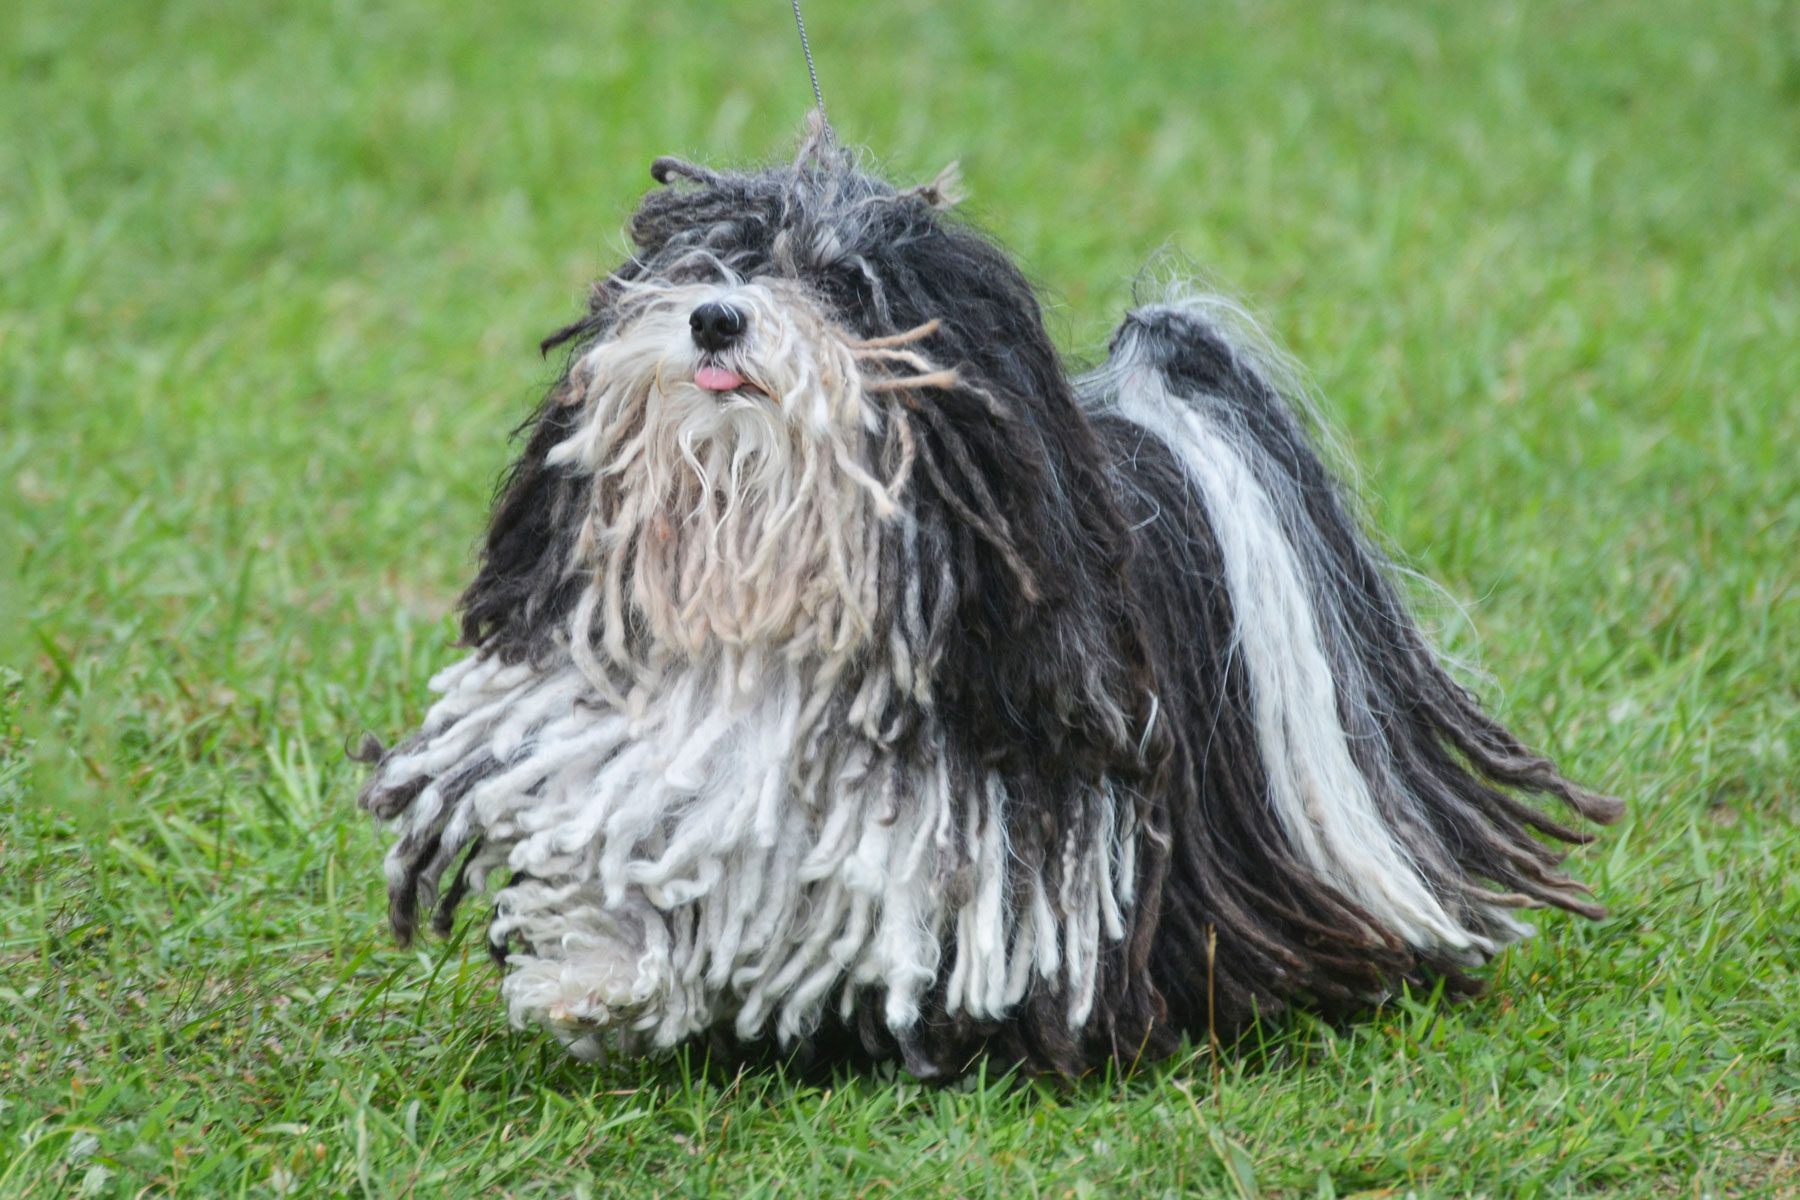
(811, 71)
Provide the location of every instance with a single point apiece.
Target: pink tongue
(718, 379)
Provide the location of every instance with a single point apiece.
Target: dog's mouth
(712, 377)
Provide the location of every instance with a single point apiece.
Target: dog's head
(792, 361)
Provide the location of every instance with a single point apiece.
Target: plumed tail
(1306, 696)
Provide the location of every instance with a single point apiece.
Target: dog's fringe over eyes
(912, 699)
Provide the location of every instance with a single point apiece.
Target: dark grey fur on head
(1125, 641)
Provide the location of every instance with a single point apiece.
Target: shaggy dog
(842, 672)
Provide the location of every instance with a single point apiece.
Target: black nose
(716, 325)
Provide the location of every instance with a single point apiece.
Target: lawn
(271, 278)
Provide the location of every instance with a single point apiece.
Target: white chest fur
(718, 849)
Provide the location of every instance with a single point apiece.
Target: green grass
(270, 279)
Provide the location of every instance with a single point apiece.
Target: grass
(270, 278)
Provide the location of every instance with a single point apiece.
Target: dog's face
(715, 395)
(743, 409)
(752, 366)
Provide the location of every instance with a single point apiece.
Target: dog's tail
(1319, 723)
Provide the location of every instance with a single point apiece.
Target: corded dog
(843, 672)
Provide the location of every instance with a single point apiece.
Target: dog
(842, 673)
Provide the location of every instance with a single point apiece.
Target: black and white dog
(842, 672)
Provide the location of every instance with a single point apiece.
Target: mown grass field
(271, 277)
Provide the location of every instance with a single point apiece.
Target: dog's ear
(523, 592)
(1015, 517)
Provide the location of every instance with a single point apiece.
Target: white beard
(735, 520)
